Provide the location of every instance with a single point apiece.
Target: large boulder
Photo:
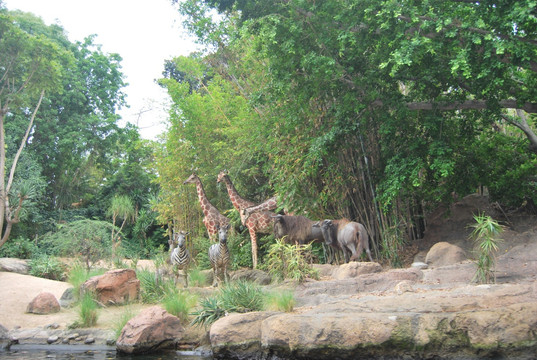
(44, 303)
(253, 275)
(152, 330)
(354, 269)
(115, 287)
(14, 265)
(444, 253)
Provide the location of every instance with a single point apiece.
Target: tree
(379, 110)
(29, 65)
(121, 207)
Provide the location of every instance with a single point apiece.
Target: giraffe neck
(204, 201)
(237, 201)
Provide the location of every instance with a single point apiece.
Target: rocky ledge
(410, 313)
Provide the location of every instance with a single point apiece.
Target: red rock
(115, 287)
(152, 330)
(44, 303)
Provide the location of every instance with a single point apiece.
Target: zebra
(219, 255)
(179, 255)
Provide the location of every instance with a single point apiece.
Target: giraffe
(256, 222)
(212, 219)
(267, 205)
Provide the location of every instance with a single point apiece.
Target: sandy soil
(16, 292)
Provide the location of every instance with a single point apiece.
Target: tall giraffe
(257, 222)
(212, 219)
(267, 205)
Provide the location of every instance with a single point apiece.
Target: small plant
(485, 235)
(122, 321)
(286, 261)
(240, 296)
(211, 310)
(48, 267)
(281, 301)
(153, 286)
(393, 241)
(21, 248)
(197, 278)
(179, 303)
(78, 275)
(87, 312)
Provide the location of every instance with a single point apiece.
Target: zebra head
(222, 233)
(180, 238)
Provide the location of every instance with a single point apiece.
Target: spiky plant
(486, 237)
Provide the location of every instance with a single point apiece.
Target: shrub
(485, 235)
(241, 296)
(179, 303)
(153, 287)
(21, 248)
(287, 261)
(48, 267)
(281, 301)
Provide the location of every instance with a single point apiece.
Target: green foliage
(281, 301)
(124, 318)
(153, 286)
(287, 261)
(200, 252)
(46, 266)
(89, 239)
(87, 312)
(78, 275)
(393, 241)
(240, 248)
(19, 247)
(240, 296)
(179, 303)
(196, 278)
(485, 235)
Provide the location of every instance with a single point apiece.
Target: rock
(354, 269)
(52, 339)
(403, 286)
(5, 341)
(14, 265)
(444, 253)
(67, 299)
(115, 287)
(44, 303)
(254, 275)
(152, 330)
(237, 335)
(419, 265)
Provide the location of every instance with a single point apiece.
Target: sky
(145, 34)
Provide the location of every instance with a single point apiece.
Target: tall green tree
(30, 66)
(378, 110)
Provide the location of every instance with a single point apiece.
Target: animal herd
(348, 236)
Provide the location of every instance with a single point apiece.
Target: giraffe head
(192, 179)
(221, 176)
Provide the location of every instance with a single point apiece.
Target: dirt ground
(16, 292)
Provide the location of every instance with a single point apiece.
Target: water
(80, 352)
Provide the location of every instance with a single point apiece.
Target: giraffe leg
(253, 237)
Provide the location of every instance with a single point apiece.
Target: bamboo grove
(377, 111)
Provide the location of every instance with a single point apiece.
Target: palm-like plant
(485, 234)
(120, 208)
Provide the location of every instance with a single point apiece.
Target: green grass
(153, 287)
(78, 275)
(87, 312)
(287, 261)
(281, 301)
(240, 296)
(197, 278)
(179, 303)
(126, 315)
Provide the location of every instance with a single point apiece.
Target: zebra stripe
(180, 256)
(219, 255)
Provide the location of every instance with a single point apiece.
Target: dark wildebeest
(348, 236)
(296, 229)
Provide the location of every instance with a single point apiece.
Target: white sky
(145, 34)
